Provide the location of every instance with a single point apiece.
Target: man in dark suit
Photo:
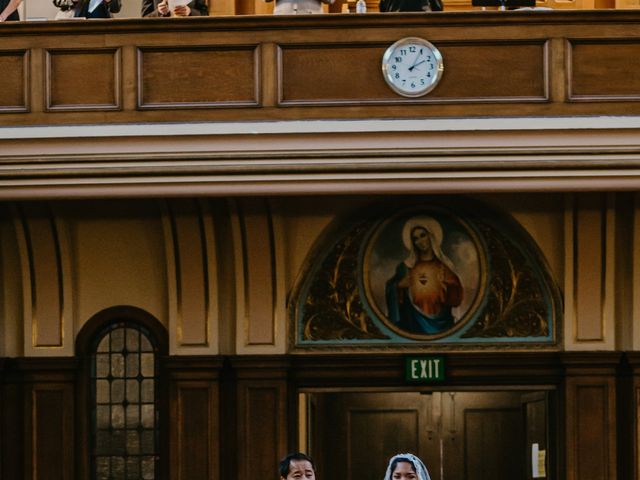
(160, 8)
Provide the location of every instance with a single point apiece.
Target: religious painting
(441, 272)
(422, 272)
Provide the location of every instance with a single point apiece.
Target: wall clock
(412, 66)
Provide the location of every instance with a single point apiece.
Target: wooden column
(262, 419)
(194, 409)
(590, 415)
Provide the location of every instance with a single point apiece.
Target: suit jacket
(14, 15)
(410, 5)
(104, 10)
(198, 8)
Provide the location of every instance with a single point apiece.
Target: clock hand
(415, 65)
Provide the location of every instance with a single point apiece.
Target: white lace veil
(421, 470)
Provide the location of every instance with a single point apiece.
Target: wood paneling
(352, 435)
(604, 70)
(38, 419)
(194, 407)
(334, 74)
(331, 74)
(459, 435)
(629, 440)
(329, 67)
(196, 428)
(262, 399)
(52, 437)
(262, 410)
(12, 462)
(499, 71)
(14, 81)
(83, 79)
(38, 408)
(496, 427)
(198, 77)
(370, 432)
(590, 419)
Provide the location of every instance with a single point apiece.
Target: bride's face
(421, 240)
(404, 471)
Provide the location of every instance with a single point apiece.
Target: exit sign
(424, 369)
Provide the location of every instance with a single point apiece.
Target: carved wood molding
(366, 157)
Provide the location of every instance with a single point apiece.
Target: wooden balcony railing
(254, 68)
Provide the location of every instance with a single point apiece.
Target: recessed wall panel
(197, 77)
(13, 81)
(590, 268)
(604, 70)
(83, 79)
(334, 74)
(258, 257)
(196, 432)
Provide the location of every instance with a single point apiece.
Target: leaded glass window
(124, 390)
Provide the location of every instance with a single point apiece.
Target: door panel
(536, 419)
(491, 439)
(459, 435)
(355, 434)
(374, 433)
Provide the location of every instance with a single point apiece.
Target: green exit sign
(424, 369)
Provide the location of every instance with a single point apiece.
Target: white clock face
(412, 66)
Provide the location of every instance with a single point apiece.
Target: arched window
(122, 363)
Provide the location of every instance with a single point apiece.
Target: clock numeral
(404, 81)
(397, 75)
(412, 49)
(398, 59)
(413, 85)
(394, 67)
(403, 51)
(422, 81)
(428, 74)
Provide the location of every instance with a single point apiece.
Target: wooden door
(459, 435)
